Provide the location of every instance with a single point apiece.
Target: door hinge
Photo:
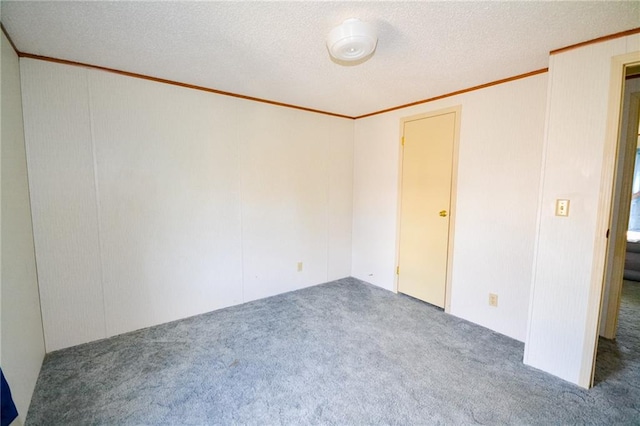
(607, 233)
(397, 270)
(402, 141)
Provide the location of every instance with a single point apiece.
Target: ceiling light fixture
(352, 40)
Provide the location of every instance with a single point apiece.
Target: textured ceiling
(276, 50)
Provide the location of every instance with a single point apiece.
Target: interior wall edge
(23, 343)
(4, 31)
(539, 210)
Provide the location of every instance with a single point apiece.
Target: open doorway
(619, 346)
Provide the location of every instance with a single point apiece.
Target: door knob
(443, 213)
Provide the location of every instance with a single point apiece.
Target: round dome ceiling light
(352, 40)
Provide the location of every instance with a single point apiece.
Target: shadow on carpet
(344, 352)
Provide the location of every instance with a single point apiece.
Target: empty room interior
(320, 212)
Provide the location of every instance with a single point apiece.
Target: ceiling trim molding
(285, 105)
(596, 40)
(457, 92)
(15, 49)
(177, 83)
(266, 101)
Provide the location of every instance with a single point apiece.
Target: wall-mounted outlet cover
(493, 299)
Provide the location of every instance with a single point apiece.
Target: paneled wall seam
(97, 192)
(33, 236)
(353, 191)
(239, 147)
(353, 196)
(540, 208)
(38, 258)
(327, 210)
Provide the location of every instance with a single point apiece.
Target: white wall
(579, 82)
(22, 339)
(497, 196)
(154, 202)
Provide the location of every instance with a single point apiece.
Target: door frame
(457, 110)
(619, 65)
(617, 246)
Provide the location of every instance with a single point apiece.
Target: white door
(427, 164)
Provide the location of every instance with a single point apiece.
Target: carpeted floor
(618, 361)
(341, 353)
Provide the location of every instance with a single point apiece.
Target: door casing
(617, 244)
(596, 290)
(454, 180)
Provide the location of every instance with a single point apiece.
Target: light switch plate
(562, 207)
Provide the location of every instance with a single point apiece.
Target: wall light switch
(562, 207)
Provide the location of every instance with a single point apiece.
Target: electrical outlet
(493, 300)
(299, 266)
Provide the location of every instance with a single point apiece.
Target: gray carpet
(344, 352)
(618, 361)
